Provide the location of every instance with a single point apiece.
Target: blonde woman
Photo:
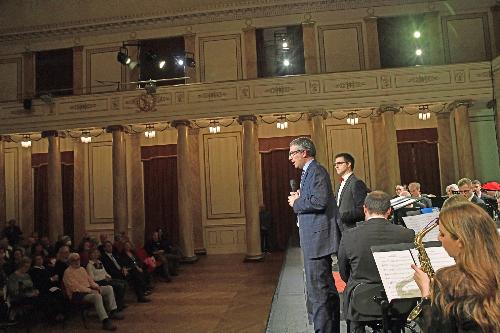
(464, 297)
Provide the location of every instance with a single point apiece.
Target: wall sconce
(282, 123)
(352, 118)
(150, 131)
(423, 112)
(214, 127)
(86, 137)
(26, 141)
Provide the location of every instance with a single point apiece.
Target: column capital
(250, 117)
(388, 108)
(370, 18)
(461, 102)
(54, 133)
(445, 114)
(317, 112)
(114, 128)
(248, 28)
(177, 123)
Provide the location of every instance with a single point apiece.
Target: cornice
(237, 10)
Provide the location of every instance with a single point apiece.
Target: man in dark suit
(355, 259)
(316, 211)
(423, 202)
(351, 192)
(489, 201)
(466, 189)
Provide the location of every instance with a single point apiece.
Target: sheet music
(418, 222)
(438, 257)
(396, 273)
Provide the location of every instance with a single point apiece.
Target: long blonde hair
(470, 289)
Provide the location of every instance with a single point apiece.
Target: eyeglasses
(339, 163)
(293, 153)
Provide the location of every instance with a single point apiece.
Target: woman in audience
(15, 260)
(20, 290)
(97, 272)
(80, 287)
(84, 250)
(450, 189)
(134, 264)
(464, 297)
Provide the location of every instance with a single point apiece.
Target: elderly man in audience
(450, 189)
(423, 202)
(355, 259)
(81, 287)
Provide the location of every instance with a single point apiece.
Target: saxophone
(425, 262)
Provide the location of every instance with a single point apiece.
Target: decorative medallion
(146, 102)
(314, 86)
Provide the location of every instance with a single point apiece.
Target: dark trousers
(119, 289)
(322, 294)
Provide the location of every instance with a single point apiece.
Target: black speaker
(27, 102)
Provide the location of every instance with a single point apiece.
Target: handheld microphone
(293, 185)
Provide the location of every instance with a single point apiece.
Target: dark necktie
(115, 262)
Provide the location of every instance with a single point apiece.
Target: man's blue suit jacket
(317, 213)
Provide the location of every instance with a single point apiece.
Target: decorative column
(77, 70)
(372, 42)
(27, 221)
(137, 191)
(495, 13)
(3, 197)
(496, 87)
(250, 188)
(464, 140)
(28, 74)
(190, 46)
(54, 177)
(445, 149)
(435, 52)
(120, 213)
(183, 190)
(250, 52)
(309, 41)
(195, 190)
(387, 173)
(80, 158)
(318, 135)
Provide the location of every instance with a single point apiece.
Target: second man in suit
(351, 192)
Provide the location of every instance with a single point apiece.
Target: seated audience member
(355, 259)
(118, 271)
(423, 202)
(47, 284)
(48, 246)
(15, 260)
(38, 249)
(134, 265)
(98, 273)
(464, 297)
(450, 189)
(84, 250)
(64, 241)
(103, 238)
(453, 200)
(12, 232)
(155, 248)
(399, 189)
(20, 289)
(466, 189)
(80, 287)
(61, 262)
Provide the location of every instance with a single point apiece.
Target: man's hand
(292, 197)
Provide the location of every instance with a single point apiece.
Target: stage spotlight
(179, 61)
(416, 34)
(286, 62)
(285, 45)
(161, 64)
(123, 57)
(418, 52)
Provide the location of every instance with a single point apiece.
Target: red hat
(491, 186)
